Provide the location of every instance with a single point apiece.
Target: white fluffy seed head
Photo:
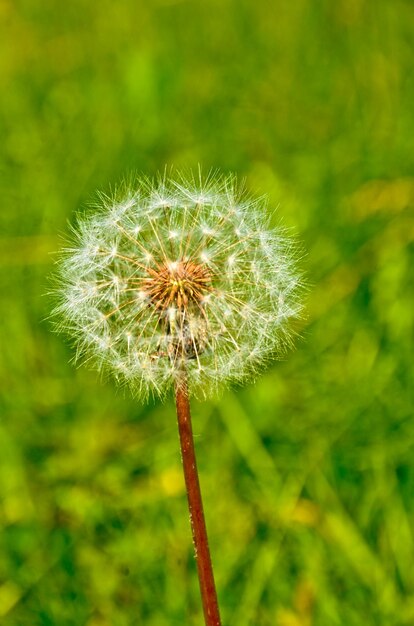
(179, 274)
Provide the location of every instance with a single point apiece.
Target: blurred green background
(308, 475)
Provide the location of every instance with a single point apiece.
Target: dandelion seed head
(173, 274)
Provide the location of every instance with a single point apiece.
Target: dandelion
(174, 276)
(180, 285)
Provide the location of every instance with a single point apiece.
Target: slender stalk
(195, 505)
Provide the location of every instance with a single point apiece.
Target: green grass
(308, 475)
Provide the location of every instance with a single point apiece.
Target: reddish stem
(195, 505)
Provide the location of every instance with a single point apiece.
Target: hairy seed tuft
(179, 273)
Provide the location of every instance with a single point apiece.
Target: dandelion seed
(190, 274)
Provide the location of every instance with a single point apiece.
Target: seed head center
(178, 284)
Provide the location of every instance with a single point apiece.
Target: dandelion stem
(195, 505)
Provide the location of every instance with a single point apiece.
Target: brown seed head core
(178, 284)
